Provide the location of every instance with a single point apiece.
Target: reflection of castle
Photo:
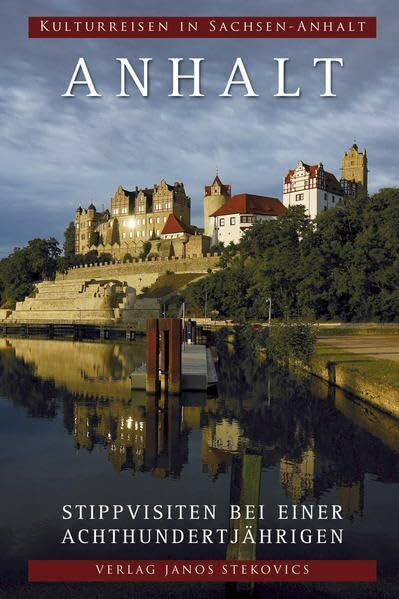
(115, 425)
(306, 478)
(219, 441)
(138, 438)
(351, 498)
(154, 436)
(298, 477)
(94, 400)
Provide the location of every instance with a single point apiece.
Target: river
(72, 432)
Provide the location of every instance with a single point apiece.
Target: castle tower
(85, 225)
(215, 196)
(354, 167)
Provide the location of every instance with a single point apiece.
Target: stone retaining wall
(4, 314)
(142, 273)
(78, 301)
(383, 397)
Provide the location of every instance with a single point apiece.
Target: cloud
(59, 153)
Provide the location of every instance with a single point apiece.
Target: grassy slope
(348, 329)
(167, 284)
(379, 371)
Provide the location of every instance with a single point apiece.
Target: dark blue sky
(59, 153)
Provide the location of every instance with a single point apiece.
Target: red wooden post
(152, 356)
(151, 431)
(164, 357)
(175, 342)
(174, 441)
(162, 428)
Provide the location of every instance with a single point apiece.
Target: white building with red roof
(175, 228)
(240, 212)
(311, 186)
(182, 240)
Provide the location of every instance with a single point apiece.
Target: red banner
(202, 571)
(203, 27)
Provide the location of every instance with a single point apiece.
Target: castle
(318, 190)
(134, 218)
(156, 221)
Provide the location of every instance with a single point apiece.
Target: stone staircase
(142, 309)
(90, 301)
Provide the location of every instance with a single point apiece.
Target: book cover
(199, 299)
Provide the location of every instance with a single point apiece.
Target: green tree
(26, 266)
(345, 265)
(69, 242)
(146, 250)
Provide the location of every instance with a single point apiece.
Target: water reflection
(314, 439)
(317, 441)
(98, 370)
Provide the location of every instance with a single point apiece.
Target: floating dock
(198, 370)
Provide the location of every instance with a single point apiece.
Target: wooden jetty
(198, 372)
(171, 365)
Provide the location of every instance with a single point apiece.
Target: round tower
(215, 196)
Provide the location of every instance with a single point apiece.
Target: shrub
(146, 250)
(288, 342)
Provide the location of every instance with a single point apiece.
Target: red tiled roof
(332, 182)
(246, 203)
(288, 176)
(174, 225)
(223, 188)
(310, 168)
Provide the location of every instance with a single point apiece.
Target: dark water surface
(72, 432)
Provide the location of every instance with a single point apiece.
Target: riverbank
(365, 366)
(373, 379)
(363, 329)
